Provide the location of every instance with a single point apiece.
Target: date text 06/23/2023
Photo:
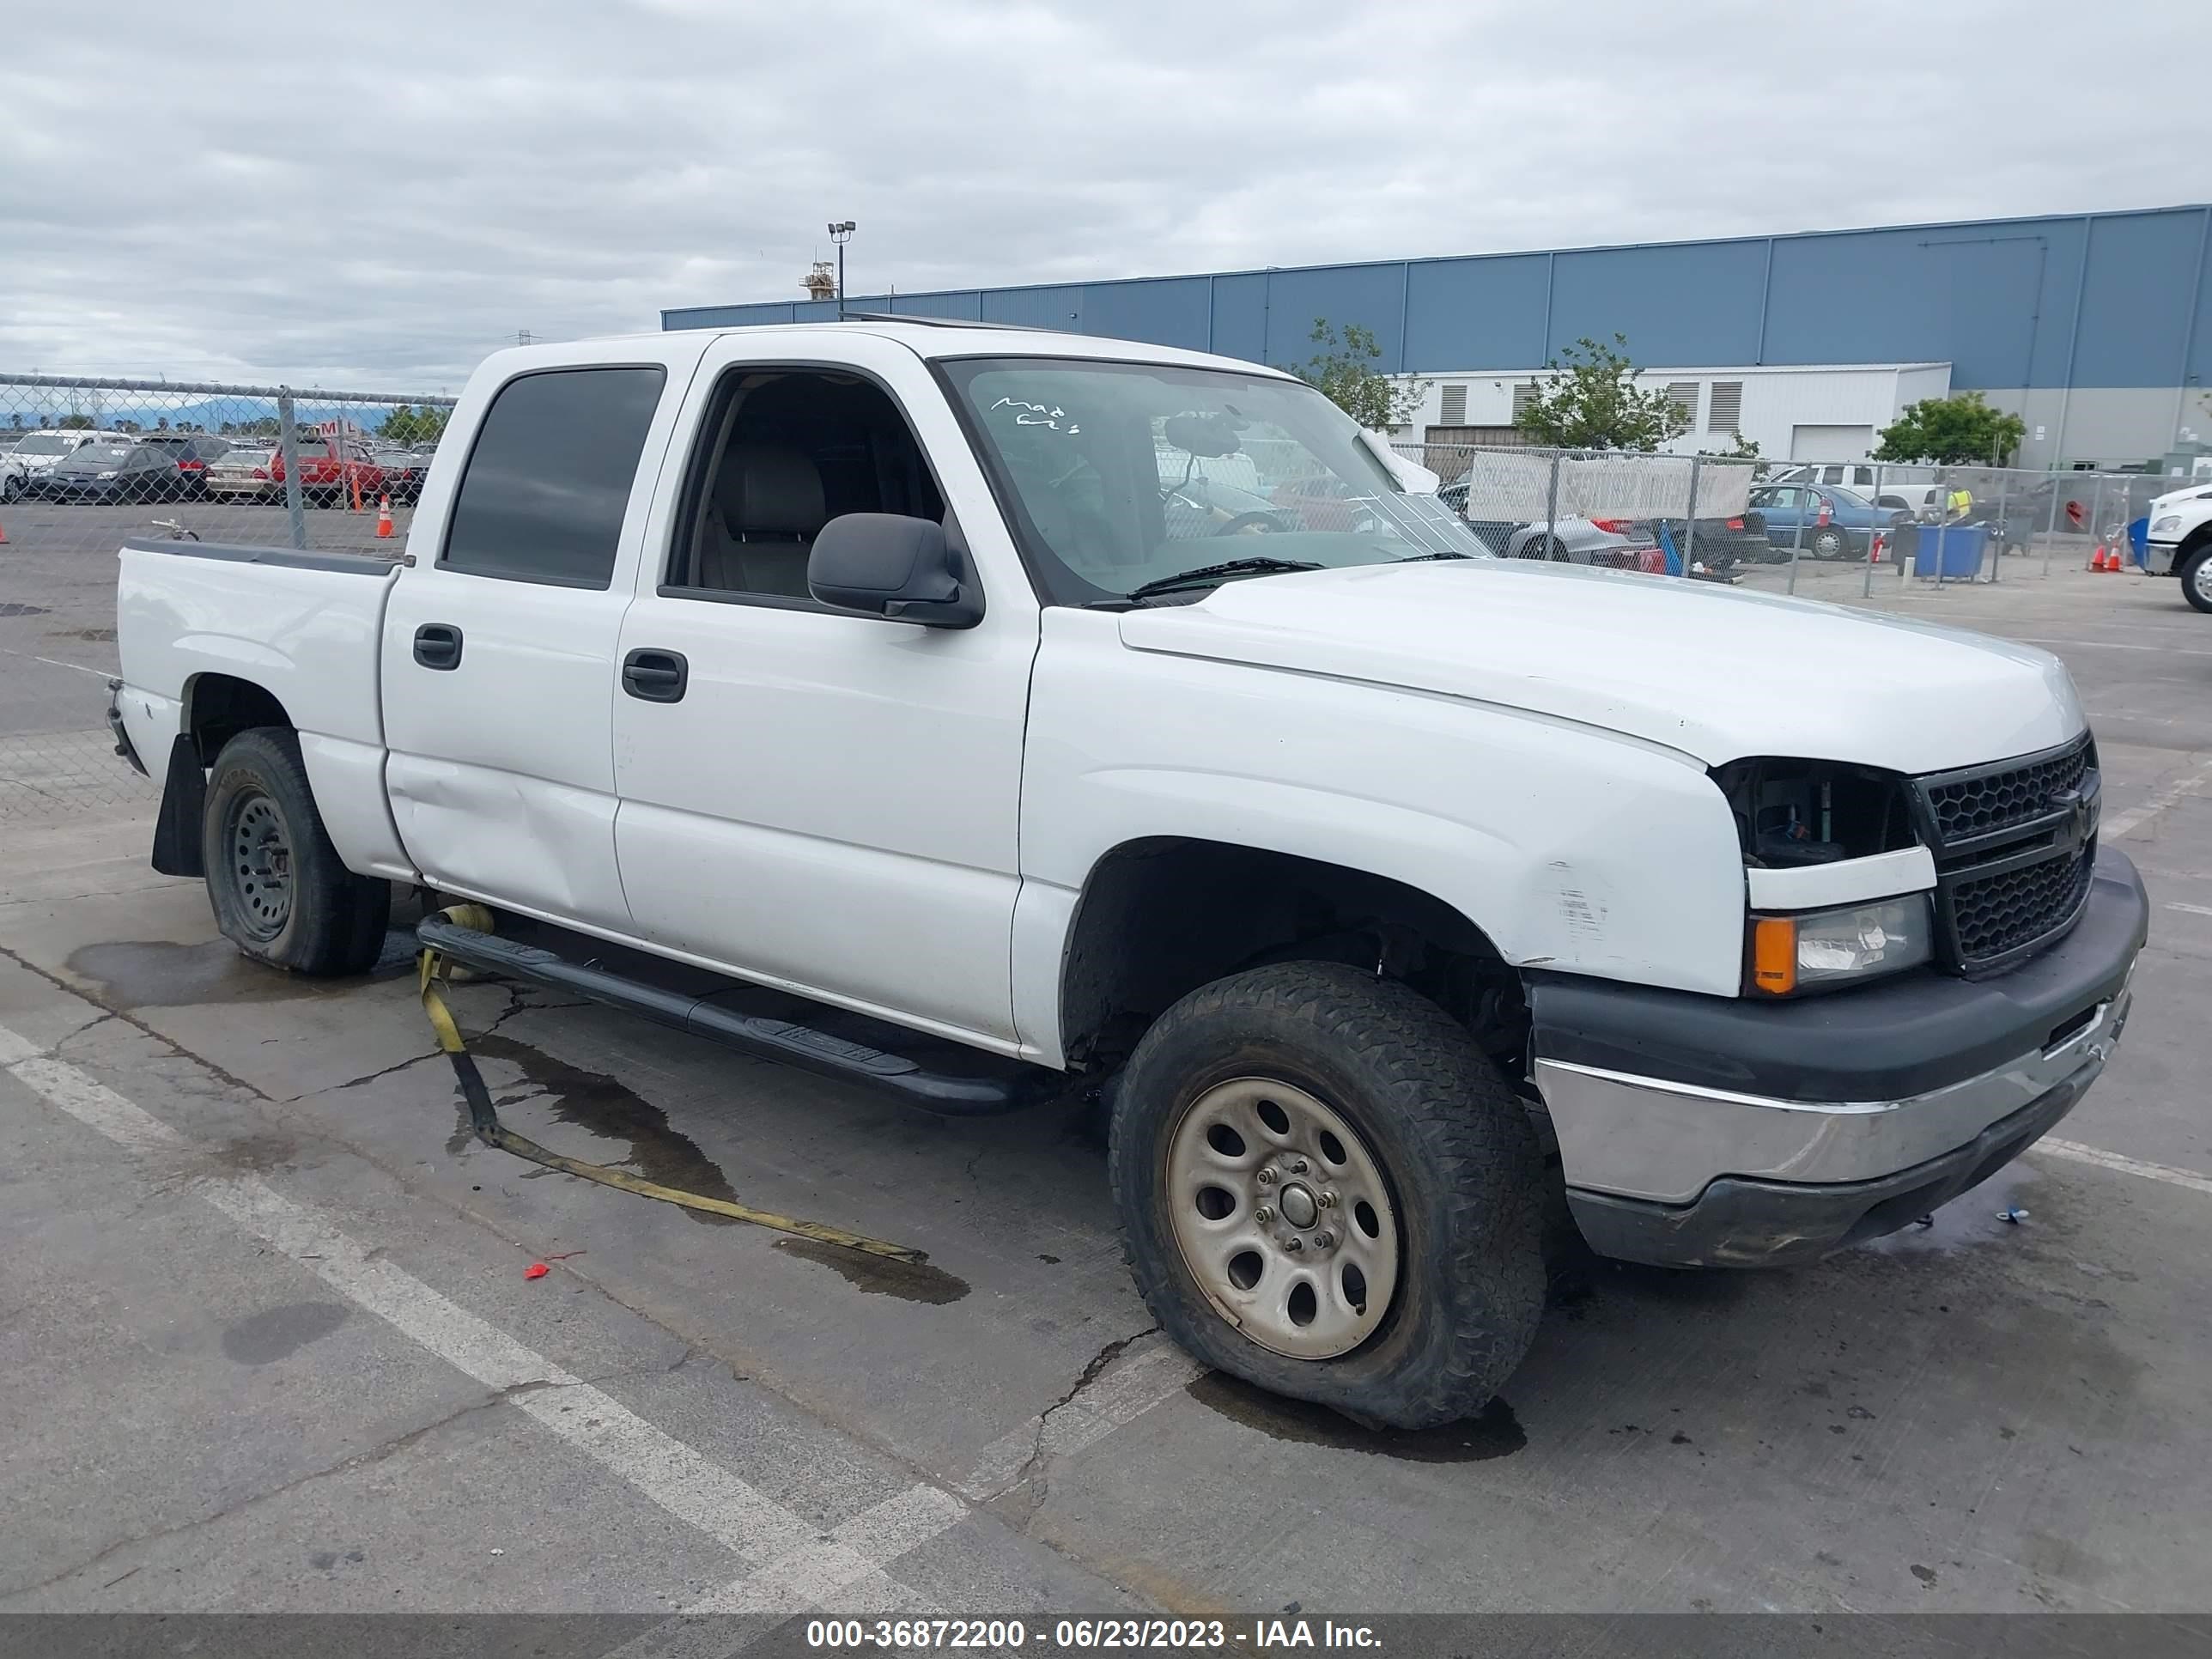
(1261, 1635)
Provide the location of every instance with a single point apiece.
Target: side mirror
(895, 567)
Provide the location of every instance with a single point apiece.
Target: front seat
(768, 510)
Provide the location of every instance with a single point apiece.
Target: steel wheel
(1283, 1217)
(2200, 582)
(259, 847)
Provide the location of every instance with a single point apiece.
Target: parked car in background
(37, 453)
(244, 470)
(1824, 522)
(333, 469)
(1719, 545)
(403, 470)
(112, 472)
(192, 451)
(1570, 541)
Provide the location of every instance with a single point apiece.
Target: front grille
(2016, 846)
(1993, 916)
(1967, 804)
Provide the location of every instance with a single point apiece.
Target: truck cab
(2178, 542)
(1386, 895)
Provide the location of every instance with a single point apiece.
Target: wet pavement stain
(94, 634)
(879, 1275)
(11, 608)
(605, 1107)
(1493, 1431)
(163, 974)
(277, 1333)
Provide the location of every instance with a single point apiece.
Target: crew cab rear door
(823, 800)
(499, 644)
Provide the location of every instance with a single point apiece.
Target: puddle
(278, 1333)
(10, 608)
(909, 1281)
(161, 973)
(605, 1107)
(1493, 1431)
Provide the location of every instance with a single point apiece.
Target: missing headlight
(1793, 812)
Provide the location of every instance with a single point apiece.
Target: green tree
(74, 423)
(1951, 431)
(1590, 400)
(1343, 370)
(408, 425)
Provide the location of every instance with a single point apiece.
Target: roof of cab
(935, 337)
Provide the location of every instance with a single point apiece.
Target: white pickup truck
(866, 695)
(2179, 541)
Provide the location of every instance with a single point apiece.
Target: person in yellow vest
(1960, 503)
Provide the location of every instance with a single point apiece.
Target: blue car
(1835, 523)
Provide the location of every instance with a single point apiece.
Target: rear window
(549, 477)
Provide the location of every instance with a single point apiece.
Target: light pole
(841, 233)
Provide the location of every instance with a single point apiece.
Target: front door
(499, 646)
(811, 798)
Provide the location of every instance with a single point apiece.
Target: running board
(997, 1086)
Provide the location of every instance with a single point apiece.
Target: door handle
(656, 676)
(437, 645)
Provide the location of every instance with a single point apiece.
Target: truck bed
(306, 627)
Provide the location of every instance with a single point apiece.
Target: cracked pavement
(1974, 1417)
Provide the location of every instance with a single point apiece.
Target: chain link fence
(1833, 528)
(86, 463)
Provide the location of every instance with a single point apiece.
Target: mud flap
(177, 850)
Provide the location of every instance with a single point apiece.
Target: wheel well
(218, 706)
(2191, 543)
(1160, 917)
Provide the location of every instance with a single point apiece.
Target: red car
(332, 469)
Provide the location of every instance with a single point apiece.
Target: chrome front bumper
(2158, 557)
(1644, 1138)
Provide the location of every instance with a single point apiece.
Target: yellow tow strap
(431, 978)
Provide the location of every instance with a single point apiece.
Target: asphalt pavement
(267, 1340)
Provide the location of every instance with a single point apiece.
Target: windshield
(100, 454)
(1118, 475)
(43, 443)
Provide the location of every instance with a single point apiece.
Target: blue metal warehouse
(2096, 327)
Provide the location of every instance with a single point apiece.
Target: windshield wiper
(1421, 558)
(1258, 565)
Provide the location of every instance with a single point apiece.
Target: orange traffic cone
(383, 517)
(3, 535)
(2097, 560)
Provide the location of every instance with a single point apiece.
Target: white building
(1818, 413)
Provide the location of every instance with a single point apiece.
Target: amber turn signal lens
(1774, 955)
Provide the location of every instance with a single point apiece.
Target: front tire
(1828, 543)
(1363, 1122)
(2195, 574)
(279, 891)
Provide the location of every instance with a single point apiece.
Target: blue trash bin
(1956, 548)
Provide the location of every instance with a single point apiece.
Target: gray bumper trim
(1665, 1142)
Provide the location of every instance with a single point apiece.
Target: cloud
(357, 194)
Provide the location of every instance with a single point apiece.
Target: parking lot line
(2133, 1166)
(2121, 824)
(674, 1475)
(2191, 909)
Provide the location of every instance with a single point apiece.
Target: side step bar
(1008, 1086)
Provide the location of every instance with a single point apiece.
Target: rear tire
(1828, 543)
(1388, 1096)
(2195, 574)
(278, 889)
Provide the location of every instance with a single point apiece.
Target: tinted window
(549, 477)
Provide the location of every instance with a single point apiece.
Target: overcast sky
(375, 193)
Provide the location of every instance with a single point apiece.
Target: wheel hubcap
(2201, 579)
(1283, 1217)
(260, 845)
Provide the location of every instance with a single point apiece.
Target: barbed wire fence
(86, 464)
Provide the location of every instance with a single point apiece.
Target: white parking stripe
(675, 1476)
(2189, 783)
(2133, 1166)
(2192, 909)
(1122, 1396)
